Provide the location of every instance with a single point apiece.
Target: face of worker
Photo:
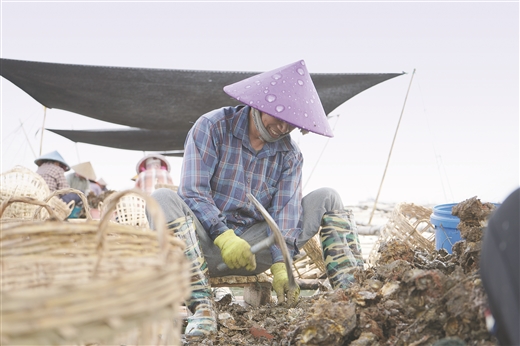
(153, 163)
(275, 126)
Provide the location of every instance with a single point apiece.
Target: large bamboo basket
(29, 201)
(92, 283)
(409, 223)
(22, 182)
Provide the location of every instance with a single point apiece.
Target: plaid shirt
(147, 180)
(220, 167)
(53, 175)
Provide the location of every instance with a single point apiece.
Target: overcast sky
(459, 134)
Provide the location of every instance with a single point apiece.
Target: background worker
(232, 151)
(82, 176)
(152, 169)
(52, 168)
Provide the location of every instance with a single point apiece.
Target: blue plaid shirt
(220, 166)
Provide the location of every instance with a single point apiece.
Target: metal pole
(391, 148)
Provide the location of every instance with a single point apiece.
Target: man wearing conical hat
(52, 168)
(242, 149)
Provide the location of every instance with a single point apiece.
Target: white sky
(459, 135)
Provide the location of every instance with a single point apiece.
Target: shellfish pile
(409, 297)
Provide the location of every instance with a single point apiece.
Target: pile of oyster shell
(410, 297)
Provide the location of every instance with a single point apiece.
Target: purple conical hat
(286, 93)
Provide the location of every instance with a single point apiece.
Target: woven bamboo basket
(29, 201)
(409, 223)
(167, 186)
(63, 209)
(22, 182)
(129, 210)
(313, 249)
(92, 283)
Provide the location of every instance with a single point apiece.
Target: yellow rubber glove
(235, 251)
(281, 285)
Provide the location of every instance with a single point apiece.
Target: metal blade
(279, 239)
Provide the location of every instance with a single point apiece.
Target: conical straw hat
(142, 162)
(52, 156)
(286, 93)
(86, 170)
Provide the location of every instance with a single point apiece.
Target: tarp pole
(391, 148)
(43, 128)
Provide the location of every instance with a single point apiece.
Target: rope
(321, 154)
(391, 148)
(43, 128)
(438, 158)
(27, 138)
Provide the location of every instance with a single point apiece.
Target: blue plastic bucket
(74, 214)
(446, 232)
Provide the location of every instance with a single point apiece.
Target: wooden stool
(257, 288)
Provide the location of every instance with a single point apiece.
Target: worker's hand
(235, 251)
(281, 285)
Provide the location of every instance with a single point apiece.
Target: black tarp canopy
(159, 105)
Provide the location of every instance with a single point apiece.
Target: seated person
(152, 169)
(95, 188)
(80, 179)
(52, 168)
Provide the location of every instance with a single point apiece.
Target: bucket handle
(446, 234)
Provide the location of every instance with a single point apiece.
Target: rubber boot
(203, 321)
(341, 247)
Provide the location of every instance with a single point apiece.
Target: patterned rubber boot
(341, 247)
(203, 321)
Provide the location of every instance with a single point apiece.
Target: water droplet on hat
(273, 83)
(300, 82)
(266, 91)
(277, 76)
(270, 98)
(301, 71)
(279, 108)
(257, 82)
(306, 115)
